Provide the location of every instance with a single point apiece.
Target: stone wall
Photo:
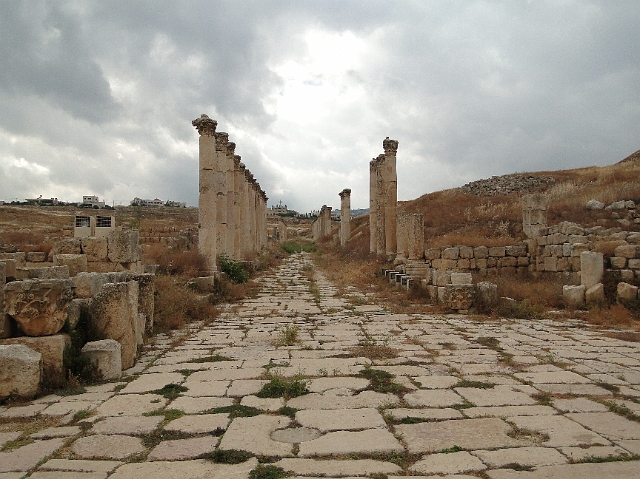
(232, 208)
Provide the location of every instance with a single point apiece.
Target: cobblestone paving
(390, 395)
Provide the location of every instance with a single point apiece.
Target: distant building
(92, 201)
(42, 201)
(176, 204)
(140, 202)
(280, 210)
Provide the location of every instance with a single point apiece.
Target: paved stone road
(508, 399)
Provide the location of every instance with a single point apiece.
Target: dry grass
(178, 263)
(614, 316)
(176, 305)
(546, 292)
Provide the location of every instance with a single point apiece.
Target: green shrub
(234, 270)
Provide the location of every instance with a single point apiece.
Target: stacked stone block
(232, 207)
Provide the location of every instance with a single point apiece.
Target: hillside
(488, 211)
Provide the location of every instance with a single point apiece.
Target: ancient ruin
(232, 207)
(321, 226)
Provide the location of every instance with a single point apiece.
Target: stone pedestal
(106, 356)
(458, 297)
(51, 348)
(591, 268)
(573, 296)
(20, 371)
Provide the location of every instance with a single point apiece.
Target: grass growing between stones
(611, 458)
(288, 336)
(268, 471)
(381, 381)
(230, 456)
(465, 383)
(236, 410)
(623, 411)
(169, 414)
(517, 467)
(524, 433)
(372, 350)
(544, 398)
(214, 358)
(171, 391)
(288, 388)
(15, 444)
(288, 411)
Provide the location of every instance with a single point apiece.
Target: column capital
(390, 146)
(345, 193)
(205, 125)
(231, 148)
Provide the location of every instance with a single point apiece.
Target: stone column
(207, 198)
(390, 180)
(220, 185)
(373, 206)
(326, 220)
(238, 210)
(231, 218)
(263, 220)
(345, 216)
(248, 225)
(381, 235)
(534, 214)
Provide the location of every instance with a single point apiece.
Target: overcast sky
(97, 98)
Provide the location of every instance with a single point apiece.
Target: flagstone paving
(453, 397)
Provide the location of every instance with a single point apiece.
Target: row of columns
(383, 200)
(232, 208)
(321, 226)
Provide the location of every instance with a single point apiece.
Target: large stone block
(481, 252)
(595, 295)
(497, 251)
(77, 263)
(628, 251)
(96, 249)
(466, 252)
(146, 294)
(52, 350)
(486, 296)
(47, 272)
(89, 284)
(36, 257)
(123, 246)
(618, 262)
(461, 278)
(20, 258)
(111, 316)
(573, 296)
(459, 297)
(66, 246)
(39, 306)
(627, 292)
(516, 250)
(20, 371)
(440, 277)
(451, 253)
(106, 355)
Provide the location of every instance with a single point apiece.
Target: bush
(178, 263)
(176, 304)
(292, 247)
(234, 270)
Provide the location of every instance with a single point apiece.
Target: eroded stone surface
(346, 442)
(107, 447)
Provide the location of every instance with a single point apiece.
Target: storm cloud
(97, 98)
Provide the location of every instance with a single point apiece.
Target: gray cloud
(98, 98)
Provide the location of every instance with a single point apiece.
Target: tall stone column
(207, 195)
(345, 216)
(231, 219)
(390, 179)
(373, 205)
(238, 180)
(263, 220)
(248, 225)
(381, 210)
(220, 185)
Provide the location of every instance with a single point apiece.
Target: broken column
(373, 206)
(534, 214)
(207, 198)
(410, 236)
(345, 216)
